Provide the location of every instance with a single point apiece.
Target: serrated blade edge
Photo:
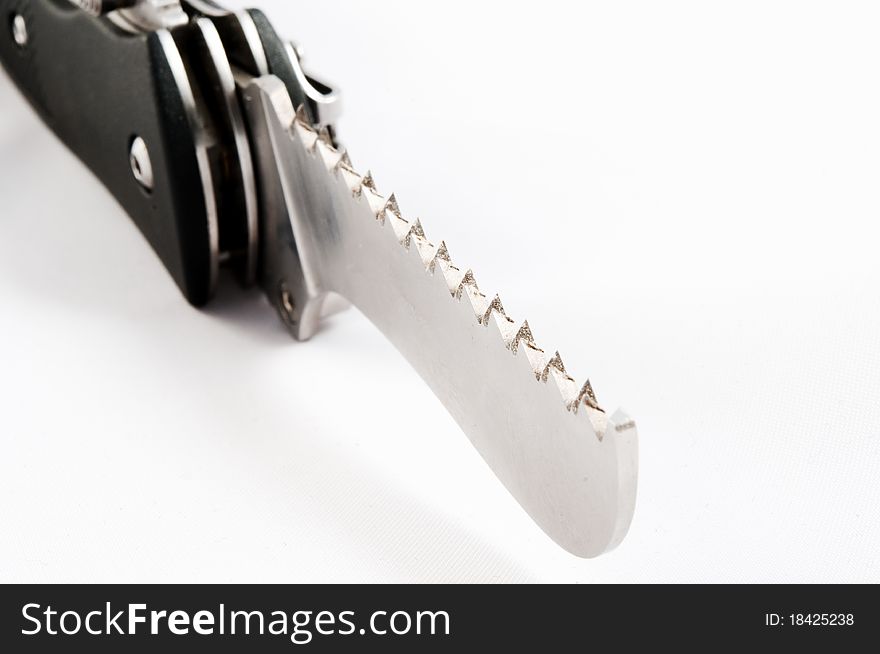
(570, 465)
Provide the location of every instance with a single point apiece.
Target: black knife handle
(99, 88)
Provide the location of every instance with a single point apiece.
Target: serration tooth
(418, 230)
(523, 334)
(588, 396)
(466, 305)
(375, 201)
(503, 326)
(567, 387)
(597, 416)
(440, 271)
(302, 116)
(306, 134)
(453, 276)
(456, 279)
(352, 179)
(443, 253)
(479, 302)
(399, 224)
(555, 362)
(598, 420)
(329, 155)
(466, 281)
(415, 229)
(427, 251)
(441, 256)
(391, 204)
(345, 161)
(391, 211)
(555, 370)
(414, 250)
(368, 181)
(324, 136)
(535, 356)
(494, 306)
(303, 128)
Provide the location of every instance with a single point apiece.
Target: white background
(682, 197)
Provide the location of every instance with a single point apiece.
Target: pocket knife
(205, 127)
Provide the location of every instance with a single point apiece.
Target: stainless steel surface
(288, 275)
(141, 165)
(19, 30)
(322, 231)
(251, 36)
(228, 109)
(239, 34)
(325, 101)
(327, 229)
(298, 49)
(204, 141)
(147, 15)
(286, 305)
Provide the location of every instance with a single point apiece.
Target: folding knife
(205, 127)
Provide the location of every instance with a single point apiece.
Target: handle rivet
(19, 30)
(141, 166)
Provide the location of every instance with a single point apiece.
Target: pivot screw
(19, 30)
(141, 166)
(286, 305)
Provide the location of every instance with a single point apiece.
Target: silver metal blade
(572, 467)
